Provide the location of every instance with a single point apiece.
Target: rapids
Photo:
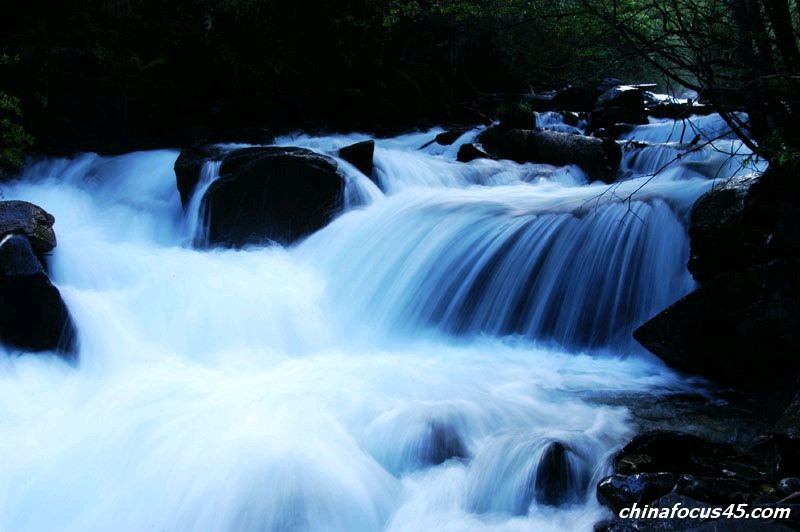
(470, 309)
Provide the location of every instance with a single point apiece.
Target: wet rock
(721, 237)
(789, 421)
(677, 452)
(598, 158)
(677, 111)
(360, 155)
(188, 166)
(272, 194)
(620, 491)
(446, 138)
(781, 453)
(470, 152)
(21, 217)
(575, 99)
(517, 116)
(618, 105)
(714, 490)
(443, 443)
(715, 330)
(33, 317)
(706, 523)
(571, 118)
(555, 483)
(788, 486)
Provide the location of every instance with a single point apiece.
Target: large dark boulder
(33, 317)
(675, 452)
(740, 328)
(722, 237)
(618, 105)
(21, 217)
(715, 490)
(577, 98)
(360, 155)
(599, 158)
(274, 194)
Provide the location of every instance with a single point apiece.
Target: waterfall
(423, 361)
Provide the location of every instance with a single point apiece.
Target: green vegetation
(14, 138)
(129, 73)
(96, 72)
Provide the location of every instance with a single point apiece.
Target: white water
(298, 388)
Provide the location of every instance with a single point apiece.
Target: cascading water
(408, 367)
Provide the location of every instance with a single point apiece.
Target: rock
(677, 111)
(446, 138)
(21, 217)
(620, 491)
(188, 166)
(716, 330)
(33, 317)
(781, 453)
(618, 105)
(789, 421)
(676, 452)
(554, 482)
(598, 158)
(608, 83)
(571, 118)
(721, 239)
(788, 486)
(575, 99)
(705, 523)
(517, 116)
(714, 490)
(275, 194)
(360, 155)
(444, 443)
(470, 152)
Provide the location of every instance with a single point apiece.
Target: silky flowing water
(468, 312)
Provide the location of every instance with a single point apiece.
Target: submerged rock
(469, 152)
(360, 155)
(446, 138)
(599, 158)
(443, 443)
(33, 317)
(21, 217)
(271, 194)
(555, 482)
(739, 329)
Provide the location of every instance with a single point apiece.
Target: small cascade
(555, 121)
(423, 359)
(195, 215)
